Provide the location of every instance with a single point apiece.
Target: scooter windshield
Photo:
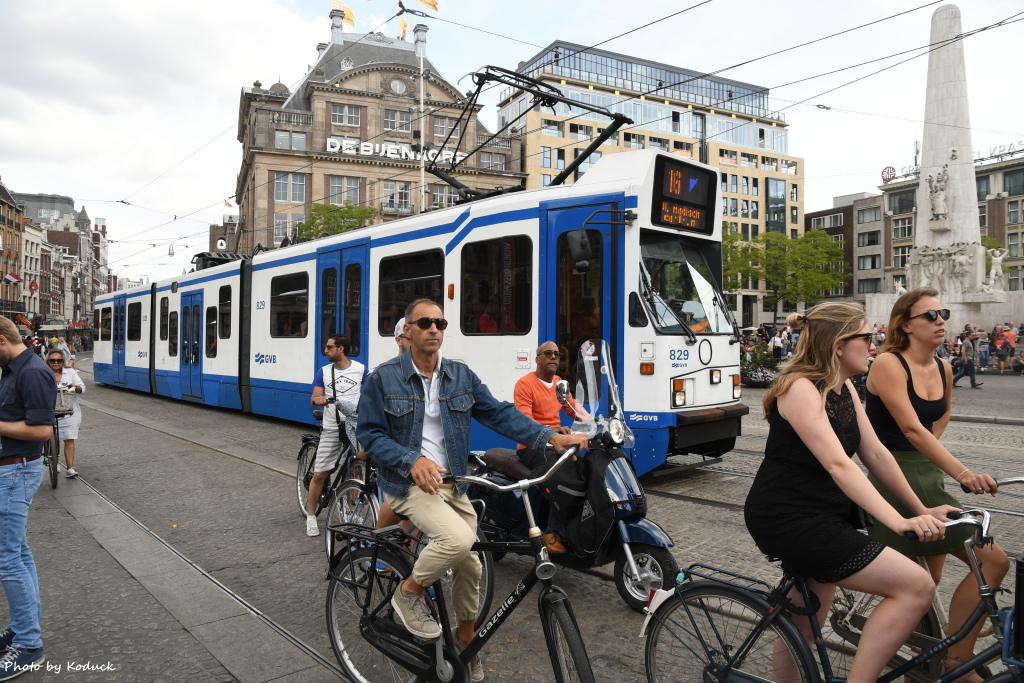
(597, 395)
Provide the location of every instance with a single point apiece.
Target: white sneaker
(71, 473)
(311, 528)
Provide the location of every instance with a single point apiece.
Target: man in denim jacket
(415, 414)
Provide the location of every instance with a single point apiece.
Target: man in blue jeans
(415, 414)
(968, 351)
(27, 396)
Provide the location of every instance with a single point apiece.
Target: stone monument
(947, 253)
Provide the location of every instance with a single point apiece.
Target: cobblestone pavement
(218, 486)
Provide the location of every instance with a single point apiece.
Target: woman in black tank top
(909, 401)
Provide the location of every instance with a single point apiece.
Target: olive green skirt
(928, 481)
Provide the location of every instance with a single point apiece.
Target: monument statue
(937, 193)
(995, 274)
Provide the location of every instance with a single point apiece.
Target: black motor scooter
(637, 546)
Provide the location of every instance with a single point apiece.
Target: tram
(630, 253)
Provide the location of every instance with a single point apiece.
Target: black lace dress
(797, 513)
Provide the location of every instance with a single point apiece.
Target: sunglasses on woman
(866, 336)
(425, 323)
(56, 360)
(933, 315)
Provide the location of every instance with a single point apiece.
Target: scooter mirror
(562, 391)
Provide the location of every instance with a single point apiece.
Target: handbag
(65, 405)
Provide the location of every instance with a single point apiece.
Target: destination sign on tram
(681, 195)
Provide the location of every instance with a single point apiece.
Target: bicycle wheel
(350, 504)
(569, 658)
(51, 454)
(699, 637)
(850, 610)
(372, 583)
(303, 475)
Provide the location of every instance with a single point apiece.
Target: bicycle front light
(616, 431)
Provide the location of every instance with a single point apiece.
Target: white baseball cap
(400, 328)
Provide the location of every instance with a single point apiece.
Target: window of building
(343, 189)
(578, 131)
(869, 262)
(443, 126)
(1013, 212)
(903, 202)
(754, 231)
(794, 192)
(725, 206)
(793, 215)
(545, 157)
(733, 208)
(397, 120)
(172, 336)
(748, 160)
(492, 160)
(1013, 281)
(554, 128)
(900, 256)
(224, 309)
(398, 194)
(754, 210)
(775, 221)
(725, 182)
(745, 231)
(545, 180)
(982, 215)
(289, 139)
(497, 275)
(444, 195)
(289, 305)
(727, 156)
(587, 163)
(406, 278)
(613, 139)
(835, 220)
(984, 184)
(659, 143)
(838, 238)
(744, 185)
(164, 306)
(902, 228)
(211, 331)
(789, 167)
(1013, 244)
(1013, 182)
(732, 183)
(769, 164)
(744, 209)
(869, 215)
(285, 224)
(135, 321)
(869, 239)
(754, 186)
(793, 233)
(633, 140)
(345, 115)
(871, 285)
(290, 187)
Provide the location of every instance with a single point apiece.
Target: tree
(817, 264)
(329, 219)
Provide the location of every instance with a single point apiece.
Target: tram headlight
(678, 394)
(616, 431)
(716, 376)
(737, 388)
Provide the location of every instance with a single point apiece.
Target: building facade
(349, 133)
(725, 123)
(12, 216)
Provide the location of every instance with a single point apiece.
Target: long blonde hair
(824, 326)
(895, 338)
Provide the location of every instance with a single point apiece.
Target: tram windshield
(677, 286)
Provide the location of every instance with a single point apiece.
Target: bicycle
(307, 458)
(372, 645)
(51, 455)
(731, 627)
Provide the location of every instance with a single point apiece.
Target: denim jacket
(391, 412)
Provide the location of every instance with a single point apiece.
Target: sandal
(953, 662)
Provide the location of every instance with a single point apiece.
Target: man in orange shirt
(535, 398)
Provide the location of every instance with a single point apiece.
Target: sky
(112, 101)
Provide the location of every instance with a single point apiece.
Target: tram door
(578, 304)
(191, 372)
(341, 293)
(118, 338)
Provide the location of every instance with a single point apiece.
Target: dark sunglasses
(329, 346)
(55, 360)
(866, 336)
(932, 316)
(551, 354)
(425, 323)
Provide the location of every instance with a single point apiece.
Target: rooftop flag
(402, 26)
(432, 4)
(228, 204)
(11, 277)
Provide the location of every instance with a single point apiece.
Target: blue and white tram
(630, 253)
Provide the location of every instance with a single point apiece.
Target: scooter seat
(506, 461)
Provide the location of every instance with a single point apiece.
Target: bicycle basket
(64, 406)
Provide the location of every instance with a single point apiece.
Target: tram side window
(405, 278)
(224, 308)
(95, 323)
(105, 318)
(329, 304)
(172, 338)
(164, 306)
(352, 313)
(497, 286)
(211, 331)
(135, 321)
(289, 305)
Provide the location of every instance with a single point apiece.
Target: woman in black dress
(909, 401)
(806, 500)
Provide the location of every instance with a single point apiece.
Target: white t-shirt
(432, 446)
(346, 386)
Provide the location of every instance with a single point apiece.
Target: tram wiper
(657, 304)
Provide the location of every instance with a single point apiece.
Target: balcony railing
(501, 142)
(291, 118)
(391, 209)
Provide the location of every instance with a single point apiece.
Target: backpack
(580, 499)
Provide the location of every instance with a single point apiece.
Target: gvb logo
(262, 358)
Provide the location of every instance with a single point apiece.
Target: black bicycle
(373, 646)
(346, 467)
(51, 455)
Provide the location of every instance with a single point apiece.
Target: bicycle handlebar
(963, 518)
(519, 485)
(999, 482)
